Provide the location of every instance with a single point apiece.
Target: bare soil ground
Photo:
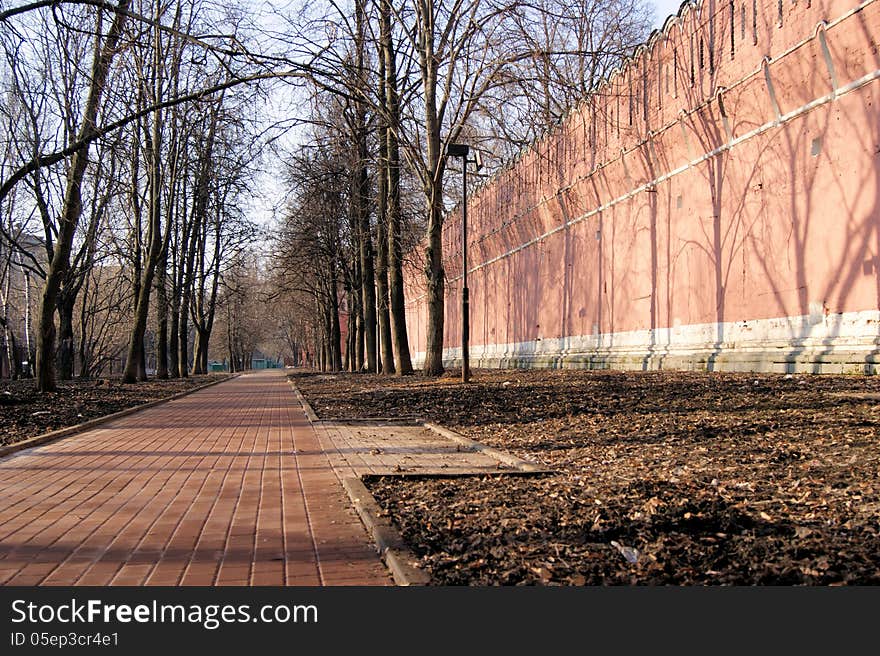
(25, 413)
(661, 477)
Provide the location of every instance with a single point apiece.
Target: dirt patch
(25, 413)
(662, 477)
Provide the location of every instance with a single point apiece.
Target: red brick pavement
(226, 486)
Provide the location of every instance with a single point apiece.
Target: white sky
(663, 9)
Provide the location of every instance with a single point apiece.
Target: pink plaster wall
(774, 225)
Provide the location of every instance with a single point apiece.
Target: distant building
(260, 360)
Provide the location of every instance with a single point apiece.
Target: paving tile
(228, 485)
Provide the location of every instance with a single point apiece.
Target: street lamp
(463, 150)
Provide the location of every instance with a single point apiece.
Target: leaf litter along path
(25, 413)
(661, 477)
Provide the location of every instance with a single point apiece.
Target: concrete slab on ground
(401, 447)
(385, 448)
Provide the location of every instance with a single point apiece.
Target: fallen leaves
(24, 412)
(661, 477)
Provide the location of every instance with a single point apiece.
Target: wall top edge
(638, 51)
(643, 49)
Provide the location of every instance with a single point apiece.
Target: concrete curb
(305, 404)
(390, 545)
(397, 421)
(501, 456)
(45, 438)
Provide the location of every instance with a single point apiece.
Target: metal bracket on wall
(765, 66)
(725, 121)
(826, 55)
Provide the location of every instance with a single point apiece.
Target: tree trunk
(173, 364)
(135, 368)
(326, 329)
(189, 282)
(28, 351)
(335, 330)
(400, 340)
(12, 357)
(183, 342)
(136, 360)
(434, 272)
(351, 340)
(362, 201)
(161, 319)
(15, 364)
(197, 218)
(386, 352)
(368, 278)
(358, 337)
(9, 350)
(46, 334)
(205, 324)
(435, 275)
(433, 188)
(72, 205)
(65, 336)
(200, 352)
(230, 339)
(85, 364)
(197, 353)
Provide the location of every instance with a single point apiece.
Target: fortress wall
(715, 204)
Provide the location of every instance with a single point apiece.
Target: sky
(664, 8)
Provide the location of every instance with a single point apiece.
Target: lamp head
(457, 150)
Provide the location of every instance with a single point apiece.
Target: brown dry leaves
(663, 477)
(25, 413)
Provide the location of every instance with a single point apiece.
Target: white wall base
(816, 343)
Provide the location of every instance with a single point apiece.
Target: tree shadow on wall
(770, 212)
(848, 246)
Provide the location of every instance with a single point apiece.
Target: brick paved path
(227, 486)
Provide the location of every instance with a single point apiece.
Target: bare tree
(155, 241)
(389, 173)
(105, 50)
(563, 49)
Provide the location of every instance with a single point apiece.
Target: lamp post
(462, 151)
